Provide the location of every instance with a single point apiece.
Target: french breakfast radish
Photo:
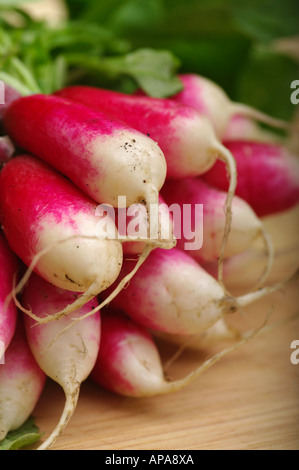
(268, 176)
(105, 158)
(186, 137)
(195, 192)
(7, 149)
(43, 213)
(129, 362)
(210, 99)
(171, 292)
(8, 315)
(21, 383)
(66, 358)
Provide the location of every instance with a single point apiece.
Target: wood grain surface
(248, 400)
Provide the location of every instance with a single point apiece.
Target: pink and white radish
(211, 100)
(129, 362)
(7, 149)
(268, 176)
(21, 383)
(67, 356)
(105, 158)
(185, 136)
(206, 215)
(171, 292)
(8, 314)
(51, 225)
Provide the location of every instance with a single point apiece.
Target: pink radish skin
(7, 149)
(245, 228)
(129, 362)
(268, 176)
(103, 157)
(39, 208)
(211, 100)
(8, 315)
(172, 293)
(186, 137)
(22, 382)
(66, 357)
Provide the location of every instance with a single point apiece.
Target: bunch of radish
(76, 168)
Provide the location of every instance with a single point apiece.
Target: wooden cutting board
(248, 400)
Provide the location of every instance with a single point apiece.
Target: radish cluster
(114, 213)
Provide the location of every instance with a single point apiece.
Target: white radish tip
(87, 296)
(142, 258)
(170, 387)
(270, 252)
(71, 400)
(226, 156)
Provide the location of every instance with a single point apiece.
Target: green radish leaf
(154, 71)
(26, 435)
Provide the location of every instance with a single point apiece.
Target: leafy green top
(126, 44)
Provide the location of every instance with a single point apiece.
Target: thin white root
(71, 400)
(155, 243)
(226, 156)
(144, 255)
(247, 299)
(19, 287)
(80, 301)
(154, 228)
(270, 253)
(142, 258)
(247, 336)
(248, 111)
(198, 342)
(176, 385)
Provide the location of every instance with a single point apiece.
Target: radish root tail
(226, 156)
(270, 253)
(147, 250)
(71, 400)
(154, 228)
(248, 111)
(245, 338)
(81, 300)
